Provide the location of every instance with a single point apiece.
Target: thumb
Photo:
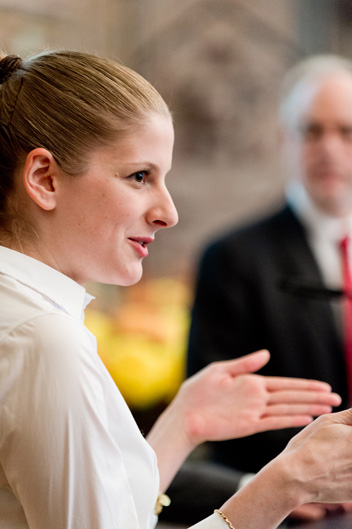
(248, 363)
(342, 417)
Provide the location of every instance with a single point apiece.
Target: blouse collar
(62, 291)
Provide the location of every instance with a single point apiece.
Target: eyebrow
(147, 165)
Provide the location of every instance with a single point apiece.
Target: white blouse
(71, 454)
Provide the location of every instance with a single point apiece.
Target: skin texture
(120, 200)
(225, 401)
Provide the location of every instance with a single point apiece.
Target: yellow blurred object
(143, 344)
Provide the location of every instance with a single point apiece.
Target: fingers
(277, 383)
(309, 511)
(347, 506)
(314, 397)
(317, 511)
(246, 364)
(312, 410)
(342, 417)
(291, 415)
(280, 422)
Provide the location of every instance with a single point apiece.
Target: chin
(129, 279)
(130, 282)
(335, 207)
(123, 277)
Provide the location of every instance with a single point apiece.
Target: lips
(140, 244)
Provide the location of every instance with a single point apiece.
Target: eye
(140, 177)
(311, 132)
(346, 132)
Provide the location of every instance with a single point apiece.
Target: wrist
(286, 479)
(267, 499)
(169, 436)
(186, 425)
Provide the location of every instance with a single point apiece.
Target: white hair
(307, 71)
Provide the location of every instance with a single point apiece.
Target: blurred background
(218, 64)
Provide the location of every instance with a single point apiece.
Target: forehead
(326, 100)
(150, 140)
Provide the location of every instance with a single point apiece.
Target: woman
(85, 145)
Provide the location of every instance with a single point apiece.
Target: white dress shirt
(71, 454)
(324, 234)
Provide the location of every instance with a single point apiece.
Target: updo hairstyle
(68, 103)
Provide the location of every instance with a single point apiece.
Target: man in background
(278, 284)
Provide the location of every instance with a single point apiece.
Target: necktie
(347, 310)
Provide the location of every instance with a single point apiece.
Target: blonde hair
(69, 103)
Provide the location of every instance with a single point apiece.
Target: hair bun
(8, 65)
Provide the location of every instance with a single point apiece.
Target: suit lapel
(298, 268)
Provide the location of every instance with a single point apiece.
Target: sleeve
(56, 449)
(212, 522)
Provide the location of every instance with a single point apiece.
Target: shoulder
(22, 307)
(55, 329)
(260, 232)
(258, 227)
(54, 343)
(53, 358)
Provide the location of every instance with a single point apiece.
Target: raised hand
(225, 400)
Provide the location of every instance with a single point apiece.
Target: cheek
(126, 209)
(348, 163)
(114, 218)
(308, 159)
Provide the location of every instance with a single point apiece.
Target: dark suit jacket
(246, 300)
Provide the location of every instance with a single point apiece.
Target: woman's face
(107, 218)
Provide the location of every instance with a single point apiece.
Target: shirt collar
(62, 291)
(318, 224)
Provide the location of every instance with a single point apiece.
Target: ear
(39, 178)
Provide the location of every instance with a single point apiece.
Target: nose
(164, 213)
